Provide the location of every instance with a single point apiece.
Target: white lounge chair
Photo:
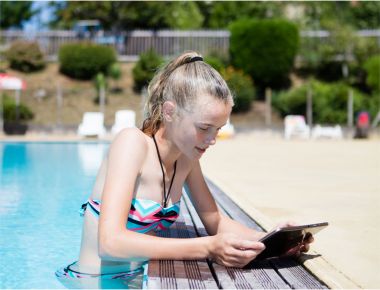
(92, 125)
(123, 119)
(227, 131)
(295, 125)
(327, 132)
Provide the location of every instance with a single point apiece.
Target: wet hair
(182, 80)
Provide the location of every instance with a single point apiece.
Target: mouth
(200, 150)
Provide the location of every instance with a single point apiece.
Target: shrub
(329, 101)
(25, 56)
(264, 49)
(215, 62)
(242, 88)
(84, 60)
(114, 71)
(145, 68)
(10, 111)
(100, 82)
(372, 67)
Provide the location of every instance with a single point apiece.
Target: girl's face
(194, 132)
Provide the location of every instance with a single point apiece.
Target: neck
(168, 150)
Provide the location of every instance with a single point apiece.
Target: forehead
(210, 110)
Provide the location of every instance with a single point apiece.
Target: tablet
(282, 240)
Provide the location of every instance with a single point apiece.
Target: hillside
(78, 97)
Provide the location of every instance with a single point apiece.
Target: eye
(202, 129)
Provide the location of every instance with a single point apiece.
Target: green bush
(84, 60)
(264, 49)
(145, 69)
(372, 67)
(10, 110)
(329, 102)
(114, 71)
(242, 88)
(215, 62)
(100, 82)
(25, 56)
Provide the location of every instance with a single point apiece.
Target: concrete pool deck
(309, 181)
(306, 181)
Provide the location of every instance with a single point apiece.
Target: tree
(15, 13)
(265, 50)
(126, 15)
(224, 12)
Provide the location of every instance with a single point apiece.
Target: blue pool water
(42, 186)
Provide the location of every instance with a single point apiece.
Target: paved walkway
(309, 181)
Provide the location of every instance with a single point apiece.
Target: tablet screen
(282, 240)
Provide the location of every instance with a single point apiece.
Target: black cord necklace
(166, 195)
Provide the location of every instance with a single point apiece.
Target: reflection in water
(91, 157)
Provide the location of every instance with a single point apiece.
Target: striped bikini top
(145, 215)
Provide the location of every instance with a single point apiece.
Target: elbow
(106, 248)
(111, 246)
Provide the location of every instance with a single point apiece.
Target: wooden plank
(233, 278)
(296, 275)
(271, 275)
(232, 209)
(170, 274)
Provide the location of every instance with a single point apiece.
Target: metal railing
(129, 44)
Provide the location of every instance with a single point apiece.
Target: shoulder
(130, 140)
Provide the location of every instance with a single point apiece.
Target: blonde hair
(182, 80)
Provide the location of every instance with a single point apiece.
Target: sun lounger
(327, 132)
(295, 126)
(123, 119)
(92, 125)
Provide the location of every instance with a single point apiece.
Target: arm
(119, 244)
(126, 157)
(234, 243)
(217, 223)
(214, 221)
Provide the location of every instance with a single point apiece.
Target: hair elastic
(195, 58)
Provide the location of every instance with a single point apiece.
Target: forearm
(135, 246)
(227, 225)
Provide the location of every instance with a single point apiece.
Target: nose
(211, 140)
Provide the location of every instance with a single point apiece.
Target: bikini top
(145, 215)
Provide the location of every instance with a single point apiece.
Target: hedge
(264, 49)
(84, 60)
(329, 102)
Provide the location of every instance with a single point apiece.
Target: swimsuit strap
(166, 195)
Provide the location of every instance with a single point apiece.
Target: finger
(248, 245)
(309, 238)
(305, 248)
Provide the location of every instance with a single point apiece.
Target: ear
(168, 110)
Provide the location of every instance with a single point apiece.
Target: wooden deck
(284, 273)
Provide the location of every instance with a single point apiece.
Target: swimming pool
(42, 186)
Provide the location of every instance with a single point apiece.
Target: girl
(139, 185)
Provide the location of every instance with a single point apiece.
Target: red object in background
(363, 120)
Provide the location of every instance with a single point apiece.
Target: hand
(232, 251)
(303, 247)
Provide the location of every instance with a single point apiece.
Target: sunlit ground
(310, 181)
